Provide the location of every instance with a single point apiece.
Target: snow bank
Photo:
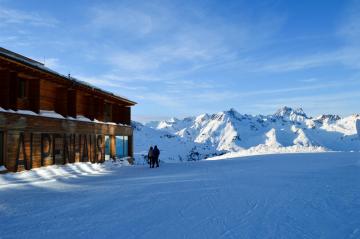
(358, 127)
(266, 149)
(57, 172)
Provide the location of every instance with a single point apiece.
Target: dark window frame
(108, 112)
(23, 89)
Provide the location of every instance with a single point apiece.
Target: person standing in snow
(156, 153)
(151, 157)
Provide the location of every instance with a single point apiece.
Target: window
(1, 148)
(107, 112)
(126, 146)
(22, 93)
(122, 146)
(119, 147)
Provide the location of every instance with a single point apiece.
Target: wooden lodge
(47, 118)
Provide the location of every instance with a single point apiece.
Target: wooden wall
(47, 95)
(34, 141)
(51, 96)
(61, 103)
(121, 115)
(81, 104)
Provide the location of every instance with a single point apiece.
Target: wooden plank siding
(81, 104)
(50, 96)
(121, 115)
(35, 141)
(47, 95)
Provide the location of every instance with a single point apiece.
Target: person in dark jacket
(151, 157)
(156, 153)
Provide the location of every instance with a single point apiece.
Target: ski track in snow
(269, 196)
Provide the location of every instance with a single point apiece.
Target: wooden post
(112, 146)
(131, 146)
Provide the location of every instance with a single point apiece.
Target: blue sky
(181, 58)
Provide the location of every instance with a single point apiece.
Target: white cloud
(109, 81)
(134, 61)
(10, 16)
(295, 63)
(122, 18)
(52, 63)
(172, 40)
(321, 99)
(309, 80)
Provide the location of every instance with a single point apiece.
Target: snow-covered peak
(152, 124)
(173, 120)
(233, 113)
(328, 118)
(291, 114)
(288, 111)
(202, 118)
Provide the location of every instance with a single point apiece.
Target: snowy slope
(172, 147)
(273, 196)
(287, 130)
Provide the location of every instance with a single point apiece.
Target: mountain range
(230, 134)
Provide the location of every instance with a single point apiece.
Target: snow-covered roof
(40, 66)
